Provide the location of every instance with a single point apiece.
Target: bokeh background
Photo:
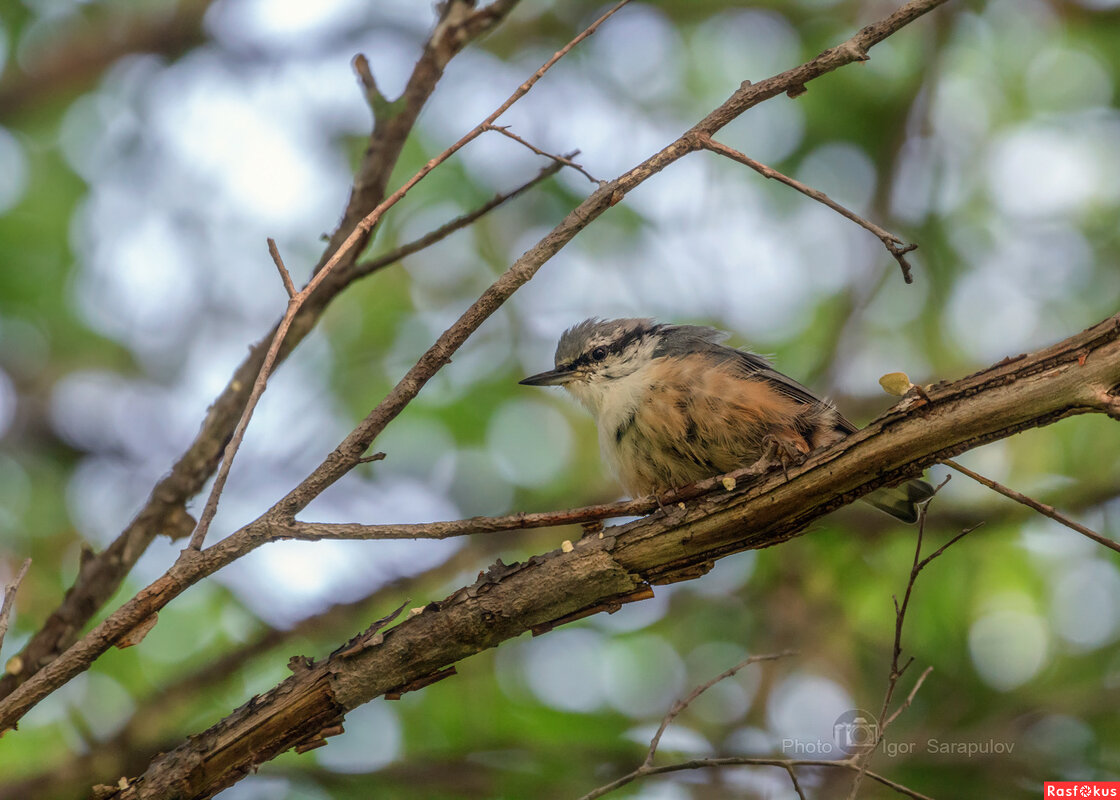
(136, 192)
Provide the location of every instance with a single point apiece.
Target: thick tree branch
(146, 733)
(100, 575)
(620, 563)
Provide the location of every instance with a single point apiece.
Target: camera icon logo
(856, 731)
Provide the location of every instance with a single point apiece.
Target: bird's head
(595, 352)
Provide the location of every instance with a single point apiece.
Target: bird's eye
(599, 353)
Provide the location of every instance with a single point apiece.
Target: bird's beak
(553, 377)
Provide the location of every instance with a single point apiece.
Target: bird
(674, 405)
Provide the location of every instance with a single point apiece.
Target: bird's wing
(704, 338)
(759, 367)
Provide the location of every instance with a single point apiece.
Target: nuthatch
(673, 405)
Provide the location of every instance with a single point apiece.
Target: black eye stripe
(617, 346)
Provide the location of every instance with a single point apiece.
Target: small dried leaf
(896, 383)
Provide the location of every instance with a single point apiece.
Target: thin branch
(315, 531)
(864, 758)
(285, 276)
(231, 448)
(563, 160)
(749, 761)
(796, 785)
(9, 599)
(448, 228)
(895, 246)
(909, 697)
(361, 230)
(1041, 508)
(681, 705)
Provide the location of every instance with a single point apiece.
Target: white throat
(613, 402)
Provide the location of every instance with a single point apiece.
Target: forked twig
(788, 764)
(460, 222)
(563, 160)
(862, 759)
(680, 705)
(895, 246)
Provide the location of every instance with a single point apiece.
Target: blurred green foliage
(985, 132)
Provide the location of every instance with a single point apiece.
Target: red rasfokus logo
(1081, 789)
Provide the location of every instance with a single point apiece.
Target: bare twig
(563, 160)
(231, 448)
(1030, 502)
(315, 531)
(285, 276)
(864, 758)
(680, 705)
(448, 228)
(9, 599)
(895, 246)
(787, 764)
(909, 697)
(361, 230)
(796, 784)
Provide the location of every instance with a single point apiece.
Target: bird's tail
(902, 501)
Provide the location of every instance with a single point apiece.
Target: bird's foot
(780, 452)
